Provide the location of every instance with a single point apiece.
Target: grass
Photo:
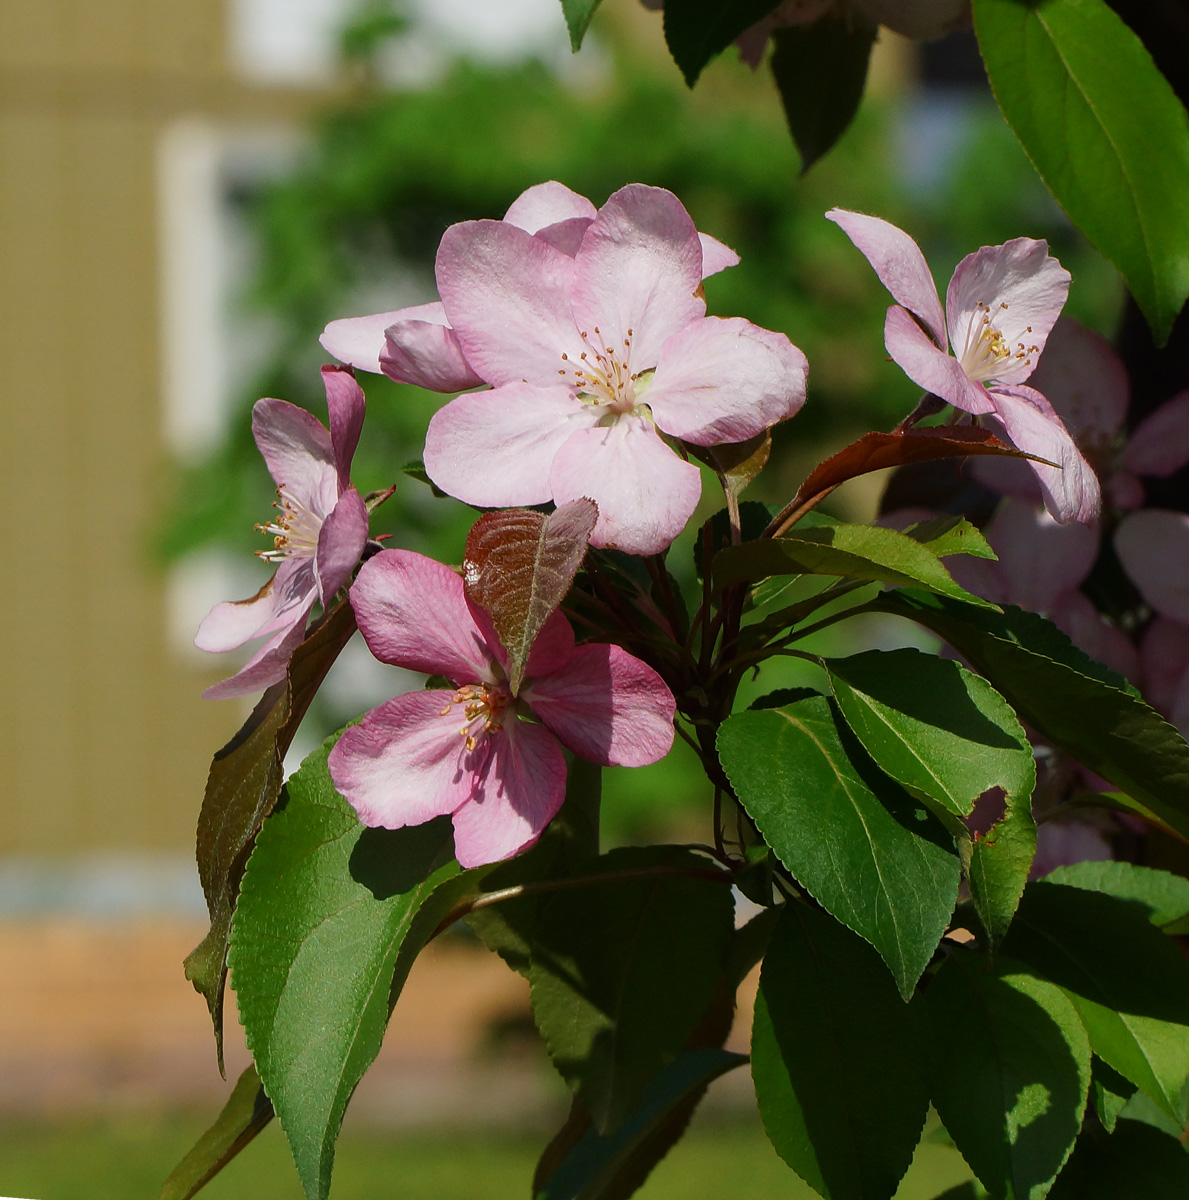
(128, 1160)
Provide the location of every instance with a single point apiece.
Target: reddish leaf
(242, 787)
(519, 565)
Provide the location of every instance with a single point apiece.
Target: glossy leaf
(950, 534)
(245, 1114)
(820, 71)
(1110, 1092)
(578, 14)
(1000, 861)
(834, 1060)
(1070, 700)
(622, 972)
(519, 565)
(1162, 896)
(326, 906)
(753, 518)
(697, 30)
(1136, 1162)
(241, 789)
(1009, 1067)
(1129, 983)
(1105, 131)
(851, 551)
(612, 1166)
(853, 838)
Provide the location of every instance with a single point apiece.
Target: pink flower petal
(1160, 444)
(547, 204)
(518, 795)
(565, 236)
(900, 265)
(640, 269)
(359, 341)
(340, 544)
(929, 367)
(346, 406)
(1021, 290)
(716, 256)
(406, 762)
(606, 706)
(413, 614)
(281, 603)
(1038, 558)
(551, 650)
(645, 493)
(424, 351)
(495, 449)
(725, 380)
(1164, 668)
(1090, 631)
(1153, 546)
(1071, 488)
(507, 295)
(267, 666)
(297, 451)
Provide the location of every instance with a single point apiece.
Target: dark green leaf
(326, 905)
(578, 14)
(1136, 1162)
(612, 1166)
(416, 470)
(1000, 860)
(697, 30)
(1009, 1067)
(1110, 1092)
(1070, 700)
(964, 1191)
(243, 785)
(1105, 131)
(854, 839)
(852, 551)
(753, 520)
(1163, 896)
(245, 1114)
(1129, 983)
(622, 972)
(834, 1060)
(820, 71)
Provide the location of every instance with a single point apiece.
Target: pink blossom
(318, 536)
(1000, 306)
(491, 760)
(591, 328)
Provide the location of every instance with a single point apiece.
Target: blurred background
(188, 192)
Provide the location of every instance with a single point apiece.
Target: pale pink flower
(491, 760)
(318, 535)
(591, 329)
(1000, 306)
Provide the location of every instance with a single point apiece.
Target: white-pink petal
(1164, 669)
(1153, 546)
(426, 354)
(282, 602)
(296, 448)
(928, 367)
(716, 256)
(413, 614)
(645, 493)
(359, 341)
(1160, 444)
(345, 405)
(341, 541)
(725, 380)
(267, 666)
(547, 204)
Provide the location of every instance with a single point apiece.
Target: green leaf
(851, 837)
(1000, 860)
(852, 551)
(1009, 1068)
(1136, 1162)
(1105, 131)
(578, 14)
(243, 785)
(416, 470)
(612, 1166)
(245, 1114)
(1070, 700)
(1163, 896)
(623, 971)
(753, 520)
(325, 907)
(834, 1060)
(951, 534)
(1129, 983)
(697, 30)
(820, 70)
(1109, 1091)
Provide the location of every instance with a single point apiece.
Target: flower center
(987, 351)
(484, 708)
(603, 377)
(295, 531)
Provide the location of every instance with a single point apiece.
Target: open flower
(1000, 306)
(491, 760)
(591, 329)
(318, 535)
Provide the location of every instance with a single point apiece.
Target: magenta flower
(591, 329)
(491, 760)
(318, 536)
(1000, 306)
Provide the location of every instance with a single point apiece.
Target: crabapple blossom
(489, 759)
(1000, 306)
(318, 535)
(591, 328)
